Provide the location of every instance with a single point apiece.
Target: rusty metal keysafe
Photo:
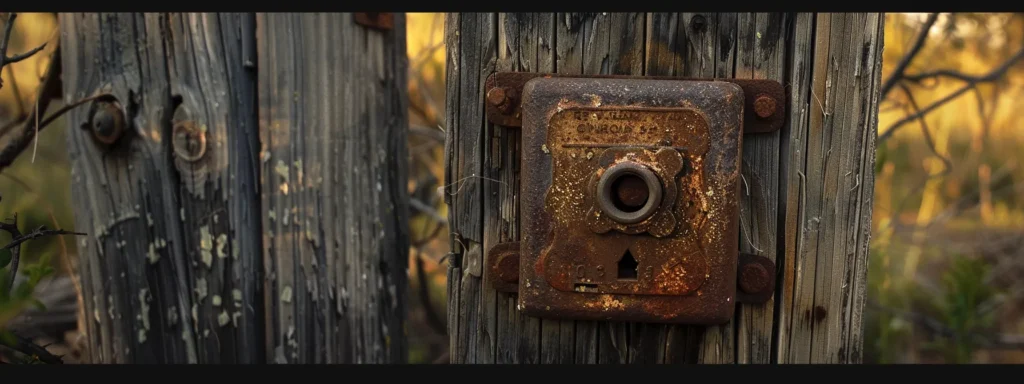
(629, 186)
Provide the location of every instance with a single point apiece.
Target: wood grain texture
(332, 119)
(171, 270)
(829, 186)
(286, 240)
(779, 195)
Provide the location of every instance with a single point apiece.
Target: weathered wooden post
(243, 181)
(804, 190)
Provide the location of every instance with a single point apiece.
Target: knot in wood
(107, 122)
(698, 23)
(189, 141)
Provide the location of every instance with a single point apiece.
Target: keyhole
(631, 193)
(628, 267)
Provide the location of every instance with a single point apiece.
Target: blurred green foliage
(933, 295)
(960, 308)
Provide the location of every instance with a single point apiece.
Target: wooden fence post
(243, 184)
(806, 194)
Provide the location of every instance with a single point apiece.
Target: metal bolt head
(107, 122)
(508, 268)
(764, 106)
(189, 141)
(496, 96)
(753, 278)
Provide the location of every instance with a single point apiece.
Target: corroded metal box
(629, 199)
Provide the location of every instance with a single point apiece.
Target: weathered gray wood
(525, 43)
(777, 189)
(761, 54)
(829, 181)
(286, 241)
(171, 269)
(332, 118)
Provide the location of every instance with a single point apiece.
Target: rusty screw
(189, 142)
(107, 122)
(753, 278)
(496, 96)
(508, 268)
(764, 106)
(499, 97)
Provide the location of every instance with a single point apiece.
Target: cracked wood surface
(212, 260)
(805, 202)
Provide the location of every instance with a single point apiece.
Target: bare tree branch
(26, 347)
(39, 232)
(17, 238)
(897, 73)
(32, 125)
(430, 133)
(23, 56)
(428, 210)
(24, 136)
(4, 59)
(928, 140)
(971, 83)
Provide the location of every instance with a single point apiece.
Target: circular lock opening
(629, 192)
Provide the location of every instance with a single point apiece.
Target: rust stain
(508, 111)
(376, 20)
(591, 256)
(819, 313)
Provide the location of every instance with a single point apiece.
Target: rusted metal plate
(376, 20)
(629, 191)
(764, 105)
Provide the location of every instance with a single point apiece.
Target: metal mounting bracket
(764, 104)
(755, 276)
(376, 20)
(629, 195)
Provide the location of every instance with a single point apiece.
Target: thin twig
(428, 210)
(26, 347)
(973, 81)
(39, 232)
(18, 144)
(17, 238)
(429, 133)
(897, 73)
(23, 137)
(4, 59)
(928, 140)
